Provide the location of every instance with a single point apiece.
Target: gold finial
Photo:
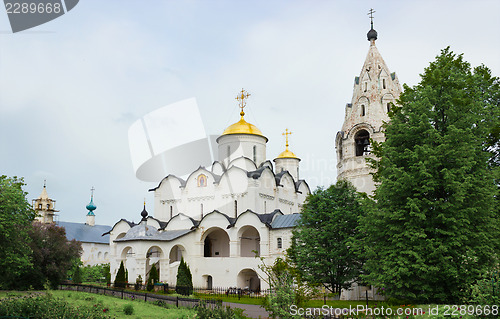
(286, 137)
(144, 201)
(241, 98)
(92, 192)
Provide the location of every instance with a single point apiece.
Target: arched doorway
(209, 282)
(249, 242)
(153, 257)
(128, 258)
(176, 253)
(216, 243)
(248, 279)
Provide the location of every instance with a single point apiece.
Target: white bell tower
(375, 90)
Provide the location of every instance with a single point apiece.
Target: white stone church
(220, 219)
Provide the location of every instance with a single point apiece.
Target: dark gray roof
(268, 217)
(256, 174)
(285, 221)
(86, 233)
(183, 182)
(146, 232)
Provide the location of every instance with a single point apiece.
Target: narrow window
(171, 211)
(388, 107)
(201, 210)
(255, 154)
(265, 206)
(362, 110)
(48, 206)
(228, 152)
(280, 243)
(383, 83)
(39, 206)
(366, 86)
(235, 208)
(297, 173)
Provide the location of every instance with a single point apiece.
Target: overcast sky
(71, 88)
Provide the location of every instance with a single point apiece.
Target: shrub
(486, 291)
(138, 282)
(206, 312)
(77, 277)
(128, 309)
(46, 306)
(96, 273)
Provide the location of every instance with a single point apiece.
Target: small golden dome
(287, 154)
(242, 127)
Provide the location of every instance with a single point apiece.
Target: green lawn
(111, 306)
(143, 310)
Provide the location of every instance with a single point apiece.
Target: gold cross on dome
(92, 191)
(242, 96)
(286, 136)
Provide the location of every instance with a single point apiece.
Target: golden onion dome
(242, 127)
(287, 154)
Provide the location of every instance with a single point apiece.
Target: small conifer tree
(120, 277)
(153, 277)
(184, 284)
(77, 276)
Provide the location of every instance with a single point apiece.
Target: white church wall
(178, 222)
(244, 163)
(242, 145)
(95, 254)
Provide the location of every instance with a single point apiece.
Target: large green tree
(322, 241)
(16, 216)
(53, 255)
(435, 226)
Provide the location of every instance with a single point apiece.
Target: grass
(116, 306)
(7, 294)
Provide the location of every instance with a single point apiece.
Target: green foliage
(286, 289)
(486, 291)
(96, 273)
(48, 307)
(204, 311)
(322, 246)
(77, 277)
(128, 309)
(184, 284)
(153, 277)
(434, 228)
(120, 280)
(16, 216)
(153, 274)
(53, 255)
